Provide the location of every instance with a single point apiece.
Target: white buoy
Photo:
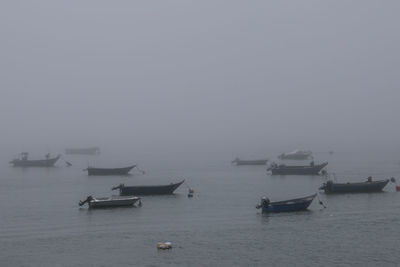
(164, 245)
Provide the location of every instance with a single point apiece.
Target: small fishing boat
(282, 169)
(296, 155)
(109, 171)
(296, 204)
(23, 161)
(83, 151)
(368, 186)
(109, 202)
(239, 162)
(147, 189)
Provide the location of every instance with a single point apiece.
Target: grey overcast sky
(200, 75)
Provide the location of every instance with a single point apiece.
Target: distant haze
(234, 77)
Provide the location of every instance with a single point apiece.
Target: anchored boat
(23, 161)
(109, 171)
(296, 204)
(147, 189)
(83, 151)
(296, 155)
(283, 169)
(109, 202)
(362, 187)
(238, 162)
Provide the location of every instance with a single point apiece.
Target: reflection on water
(41, 219)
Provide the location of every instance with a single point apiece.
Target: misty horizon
(192, 104)
(207, 77)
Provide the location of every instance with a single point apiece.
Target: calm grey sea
(42, 225)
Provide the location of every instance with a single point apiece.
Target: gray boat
(239, 162)
(83, 151)
(296, 155)
(137, 190)
(368, 186)
(109, 202)
(296, 204)
(23, 161)
(312, 169)
(109, 171)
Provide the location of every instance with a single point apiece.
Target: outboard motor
(272, 166)
(87, 200)
(236, 160)
(328, 186)
(265, 202)
(118, 187)
(24, 155)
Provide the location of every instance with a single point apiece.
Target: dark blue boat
(109, 171)
(362, 187)
(147, 189)
(296, 204)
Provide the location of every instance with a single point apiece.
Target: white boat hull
(112, 202)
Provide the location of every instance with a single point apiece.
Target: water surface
(42, 225)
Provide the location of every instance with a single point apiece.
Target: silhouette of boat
(239, 162)
(297, 204)
(109, 171)
(83, 151)
(109, 202)
(296, 155)
(147, 189)
(23, 161)
(368, 186)
(282, 169)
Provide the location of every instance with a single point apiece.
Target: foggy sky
(200, 75)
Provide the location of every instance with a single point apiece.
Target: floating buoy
(394, 181)
(191, 192)
(165, 245)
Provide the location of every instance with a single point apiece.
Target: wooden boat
(368, 186)
(109, 202)
(147, 189)
(239, 162)
(23, 161)
(296, 155)
(296, 204)
(109, 171)
(282, 169)
(83, 151)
